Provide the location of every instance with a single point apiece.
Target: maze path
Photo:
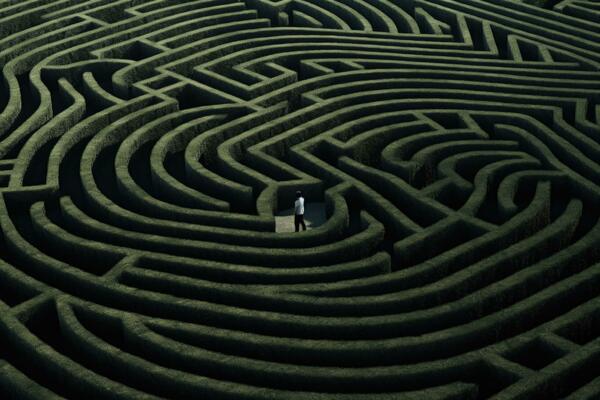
(146, 147)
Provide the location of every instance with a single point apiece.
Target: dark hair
(298, 193)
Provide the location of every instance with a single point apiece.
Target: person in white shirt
(299, 212)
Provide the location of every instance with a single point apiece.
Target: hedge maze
(146, 147)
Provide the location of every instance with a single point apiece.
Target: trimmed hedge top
(147, 146)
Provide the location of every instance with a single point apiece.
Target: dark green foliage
(148, 150)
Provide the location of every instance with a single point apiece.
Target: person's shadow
(314, 215)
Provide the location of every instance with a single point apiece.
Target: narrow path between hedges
(314, 215)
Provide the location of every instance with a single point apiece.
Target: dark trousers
(299, 220)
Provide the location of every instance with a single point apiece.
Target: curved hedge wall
(149, 149)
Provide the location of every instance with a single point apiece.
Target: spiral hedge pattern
(146, 146)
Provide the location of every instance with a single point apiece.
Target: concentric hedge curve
(146, 147)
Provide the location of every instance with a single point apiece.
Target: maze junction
(146, 148)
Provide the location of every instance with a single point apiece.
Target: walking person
(299, 212)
